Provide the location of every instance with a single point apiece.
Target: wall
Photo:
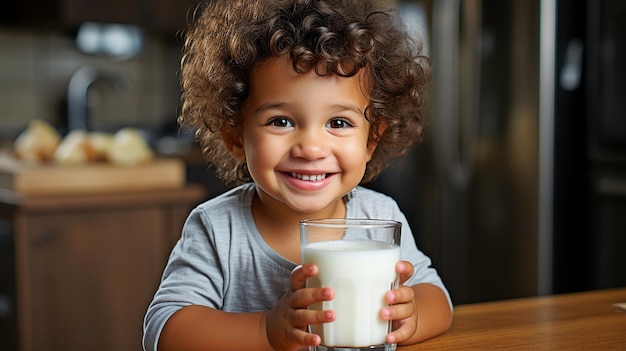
(36, 66)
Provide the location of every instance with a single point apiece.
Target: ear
(234, 143)
(377, 130)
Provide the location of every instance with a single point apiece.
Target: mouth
(308, 177)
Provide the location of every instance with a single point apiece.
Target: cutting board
(48, 179)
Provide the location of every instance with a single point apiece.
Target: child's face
(305, 137)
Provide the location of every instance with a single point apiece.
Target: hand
(403, 309)
(287, 321)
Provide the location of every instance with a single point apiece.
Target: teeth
(308, 177)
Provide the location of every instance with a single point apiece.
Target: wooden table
(577, 321)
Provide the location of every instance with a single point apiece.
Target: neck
(269, 209)
(279, 225)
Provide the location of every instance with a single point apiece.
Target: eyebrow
(336, 107)
(269, 106)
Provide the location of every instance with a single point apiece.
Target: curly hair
(230, 38)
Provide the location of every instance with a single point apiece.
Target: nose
(311, 145)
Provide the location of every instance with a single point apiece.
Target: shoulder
(223, 211)
(238, 197)
(369, 194)
(365, 202)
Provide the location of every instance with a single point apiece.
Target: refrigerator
(500, 194)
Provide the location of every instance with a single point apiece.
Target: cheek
(260, 154)
(355, 156)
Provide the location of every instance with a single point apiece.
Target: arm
(199, 327)
(419, 312)
(283, 327)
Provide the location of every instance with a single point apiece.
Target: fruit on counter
(101, 143)
(75, 149)
(41, 143)
(129, 148)
(38, 142)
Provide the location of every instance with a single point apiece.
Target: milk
(360, 273)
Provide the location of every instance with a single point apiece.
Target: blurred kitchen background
(519, 188)
(121, 56)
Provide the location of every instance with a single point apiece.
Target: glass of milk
(357, 259)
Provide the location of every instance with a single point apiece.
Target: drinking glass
(357, 259)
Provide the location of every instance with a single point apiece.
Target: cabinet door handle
(572, 70)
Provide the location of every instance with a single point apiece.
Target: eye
(337, 123)
(280, 122)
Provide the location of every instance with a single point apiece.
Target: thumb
(300, 274)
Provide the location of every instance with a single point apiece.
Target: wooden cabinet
(88, 266)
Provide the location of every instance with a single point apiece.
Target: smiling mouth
(308, 177)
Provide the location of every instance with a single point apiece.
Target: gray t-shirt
(221, 260)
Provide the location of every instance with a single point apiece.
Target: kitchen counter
(89, 178)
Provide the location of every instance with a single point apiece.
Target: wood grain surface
(577, 321)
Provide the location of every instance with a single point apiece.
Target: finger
(404, 270)
(303, 318)
(403, 332)
(403, 294)
(397, 312)
(305, 297)
(302, 337)
(300, 274)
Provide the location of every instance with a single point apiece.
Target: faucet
(81, 80)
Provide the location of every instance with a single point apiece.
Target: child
(299, 101)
